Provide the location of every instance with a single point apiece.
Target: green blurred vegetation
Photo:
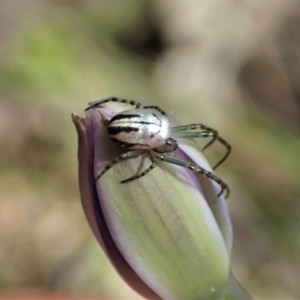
(201, 64)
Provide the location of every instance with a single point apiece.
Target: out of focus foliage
(232, 65)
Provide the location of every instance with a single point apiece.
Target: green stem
(235, 291)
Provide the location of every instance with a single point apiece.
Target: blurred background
(233, 65)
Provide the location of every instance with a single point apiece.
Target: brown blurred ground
(44, 296)
(232, 65)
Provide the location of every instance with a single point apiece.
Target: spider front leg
(122, 157)
(194, 167)
(187, 132)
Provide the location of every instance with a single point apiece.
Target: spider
(146, 130)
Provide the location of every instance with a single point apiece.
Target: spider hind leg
(98, 102)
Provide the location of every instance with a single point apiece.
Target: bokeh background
(233, 65)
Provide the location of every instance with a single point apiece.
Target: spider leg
(156, 108)
(228, 148)
(117, 160)
(99, 102)
(186, 131)
(151, 167)
(194, 167)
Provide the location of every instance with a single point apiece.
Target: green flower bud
(167, 234)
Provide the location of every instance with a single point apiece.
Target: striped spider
(146, 130)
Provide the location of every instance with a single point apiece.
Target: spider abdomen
(139, 128)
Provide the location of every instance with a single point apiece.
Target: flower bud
(167, 234)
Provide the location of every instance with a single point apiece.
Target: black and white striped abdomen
(139, 128)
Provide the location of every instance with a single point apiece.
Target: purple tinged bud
(167, 234)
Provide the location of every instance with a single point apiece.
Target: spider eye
(170, 142)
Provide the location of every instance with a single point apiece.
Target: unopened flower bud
(167, 234)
